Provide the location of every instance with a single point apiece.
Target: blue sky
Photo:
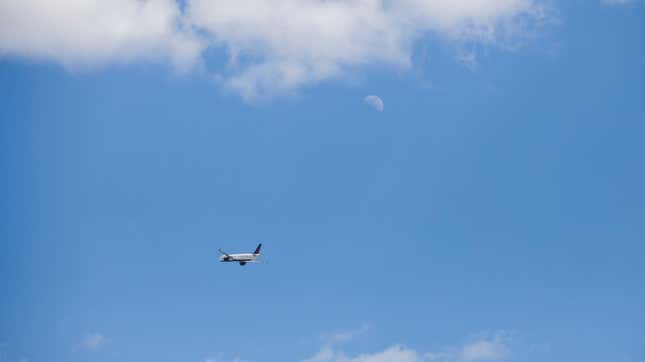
(492, 211)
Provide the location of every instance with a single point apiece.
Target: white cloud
(376, 102)
(392, 354)
(274, 47)
(484, 350)
(91, 342)
(491, 347)
(285, 44)
(86, 33)
(488, 347)
(282, 45)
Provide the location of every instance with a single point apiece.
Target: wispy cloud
(274, 47)
(487, 347)
(392, 354)
(344, 336)
(468, 59)
(490, 347)
(616, 2)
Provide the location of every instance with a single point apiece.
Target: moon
(376, 102)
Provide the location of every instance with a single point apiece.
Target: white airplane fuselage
(238, 257)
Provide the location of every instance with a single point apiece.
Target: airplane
(241, 258)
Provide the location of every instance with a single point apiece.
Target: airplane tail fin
(257, 250)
